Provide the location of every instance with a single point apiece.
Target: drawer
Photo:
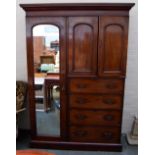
(94, 117)
(96, 101)
(95, 134)
(96, 86)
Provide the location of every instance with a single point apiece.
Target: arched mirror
(47, 79)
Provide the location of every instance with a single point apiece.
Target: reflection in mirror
(46, 74)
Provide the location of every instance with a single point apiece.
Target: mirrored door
(46, 54)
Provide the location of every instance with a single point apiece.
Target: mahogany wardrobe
(76, 92)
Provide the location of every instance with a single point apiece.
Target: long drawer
(96, 101)
(94, 117)
(94, 134)
(96, 86)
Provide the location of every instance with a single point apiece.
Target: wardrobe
(93, 44)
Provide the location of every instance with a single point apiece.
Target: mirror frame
(59, 22)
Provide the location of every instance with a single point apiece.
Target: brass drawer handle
(81, 86)
(107, 135)
(108, 117)
(81, 117)
(109, 101)
(80, 133)
(111, 85)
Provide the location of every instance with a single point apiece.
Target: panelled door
(113, 33)
(83, 38)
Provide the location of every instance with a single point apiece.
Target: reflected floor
(48, 122)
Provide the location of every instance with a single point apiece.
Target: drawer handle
(109, 101)
(111, 86)
(81, 86)
(108, 117)
(107, 135)
(80, 133)
(81, 100)
(81, 117)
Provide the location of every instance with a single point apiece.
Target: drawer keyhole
(108, 117)
(109, 101)
(111, 85)
(81, 86)
(81, 117)
(80, 133)
(81, 100)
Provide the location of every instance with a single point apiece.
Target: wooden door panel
(82, 45)
(112, 46)
(60, 22)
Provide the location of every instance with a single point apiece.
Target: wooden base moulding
(76, 146)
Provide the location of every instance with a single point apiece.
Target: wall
(131, 86)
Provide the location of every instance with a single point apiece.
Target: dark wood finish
(96, 101)
(77, 6)
(93, 45)
(86, 134)
(83, 33)
(77, 13)
(60, 22)
(77, 9)
(76, 145)
(94, 117)
(96, 86)
(113, 33)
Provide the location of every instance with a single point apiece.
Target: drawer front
(93, 117)
(96, 86)
(96, 101)
(95, 134)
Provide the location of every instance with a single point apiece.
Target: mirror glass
(47, 79)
